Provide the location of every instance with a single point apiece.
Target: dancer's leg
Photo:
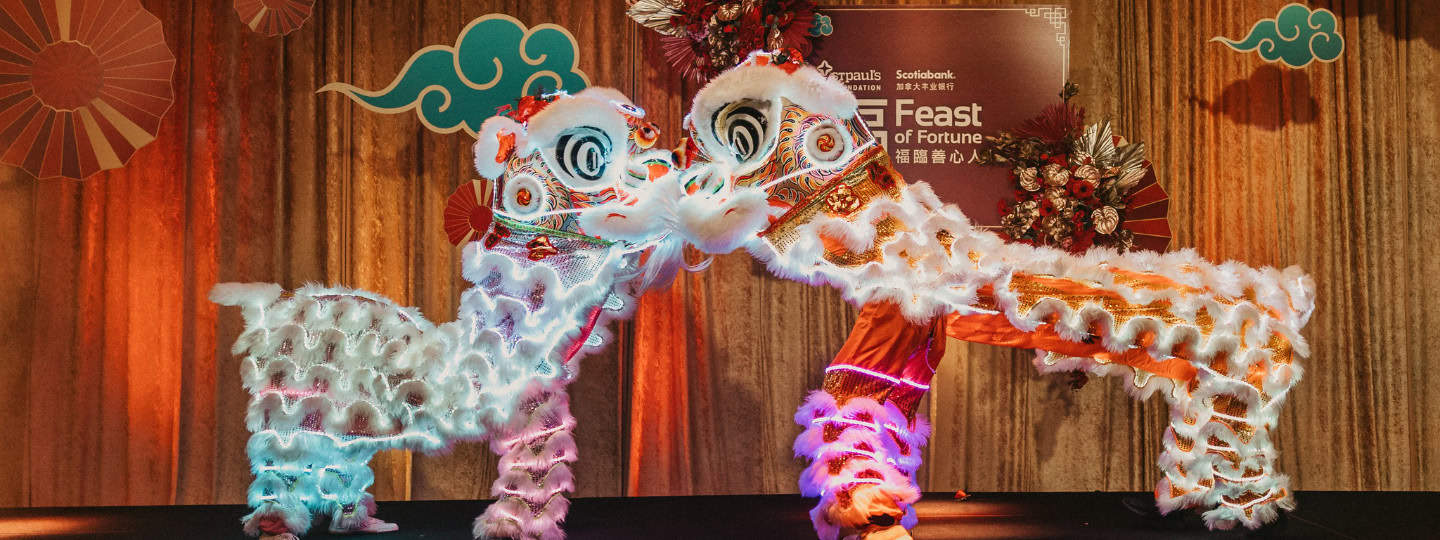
(862, 432)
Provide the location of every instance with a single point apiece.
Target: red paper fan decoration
(1147, 214)
(274, 17)
(467, 213)
(83, 84)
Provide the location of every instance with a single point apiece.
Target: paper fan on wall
(467, 211)
(1147, 214)
(274, 17)
(83, 84)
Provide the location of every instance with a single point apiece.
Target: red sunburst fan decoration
(274, 17)
(1147, 214)
(467, 213)
(83, 84)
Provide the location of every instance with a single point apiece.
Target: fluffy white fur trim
(487, 145)
(724, 222)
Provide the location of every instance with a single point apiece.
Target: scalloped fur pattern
(896, 492)
(939, 282)
(535, 472)
(337, 374)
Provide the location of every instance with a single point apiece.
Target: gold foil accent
(947, 239)
(842, 201)
(885, 231)
(1142, 377)
(858, 179)
(845, 385)
(1184, 444)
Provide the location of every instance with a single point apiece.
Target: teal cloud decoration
(495, 60)
(821, 26)
(1296, 36)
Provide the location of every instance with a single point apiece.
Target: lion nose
(706, 179)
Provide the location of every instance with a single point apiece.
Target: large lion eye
(744, 128)
(582, 154)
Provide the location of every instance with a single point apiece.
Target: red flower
(1081, 189)
(1077, 217)
(1047, 208)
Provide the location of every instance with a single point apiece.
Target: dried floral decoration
(703, 38)
(1074, 183)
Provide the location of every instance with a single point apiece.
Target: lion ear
(499, 138)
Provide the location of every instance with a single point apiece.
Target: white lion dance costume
(336, 374)
(777, 163)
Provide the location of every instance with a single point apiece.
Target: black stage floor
(1393, 515)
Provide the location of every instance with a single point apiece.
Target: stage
(984, 515)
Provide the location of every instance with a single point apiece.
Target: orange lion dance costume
(787, 170)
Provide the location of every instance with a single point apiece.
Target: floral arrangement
(704, 37)
(1073, 181)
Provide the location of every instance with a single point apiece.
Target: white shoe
(893, 532)
(371, 525)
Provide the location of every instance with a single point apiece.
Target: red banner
(933, 81)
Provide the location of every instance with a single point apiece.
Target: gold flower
(1106, 218)
(1088, 173)
(728, 12)
(1029, 178)
(1055, 175)
(1015, 224)
(1058, 197)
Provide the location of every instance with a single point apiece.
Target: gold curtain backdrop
(118, 385)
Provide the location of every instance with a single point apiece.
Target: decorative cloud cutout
(821, 26)
(1296, 36)
(494, 61)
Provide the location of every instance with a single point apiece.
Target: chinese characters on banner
(933, 81)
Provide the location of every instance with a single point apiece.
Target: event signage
(933, 81)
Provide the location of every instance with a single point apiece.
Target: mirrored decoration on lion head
(771, 138)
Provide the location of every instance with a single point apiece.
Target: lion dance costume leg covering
(534, 471)
(862, 432)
